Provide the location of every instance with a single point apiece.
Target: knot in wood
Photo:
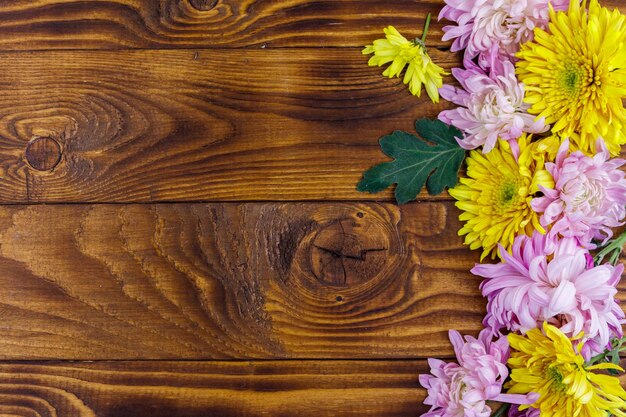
(203, 5)
(348, 252)
(43, 154)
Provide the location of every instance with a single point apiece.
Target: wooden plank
(115, 24)
(155, 126)
(225, 125)
(178, 281)
(254, 280)
(121, 24)
(152, 126)
(200, 389)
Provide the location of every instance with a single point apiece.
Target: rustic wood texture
(226, 124)
(255, 280)
(200, 389)
(224, 389)
(142, 126)
(256, 118)
(153, 126)
(121, 24)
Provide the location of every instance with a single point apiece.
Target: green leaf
(416, 162)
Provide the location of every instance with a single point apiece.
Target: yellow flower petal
(403, 54)
(575, 75)
(546, 363)
(495, 198)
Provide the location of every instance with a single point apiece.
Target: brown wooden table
(180, 233)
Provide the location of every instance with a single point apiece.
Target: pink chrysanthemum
(589, 196)
(493, 30)
(492, 107)
(462, 390)
(543, 280)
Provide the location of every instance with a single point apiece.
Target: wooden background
(180, 233)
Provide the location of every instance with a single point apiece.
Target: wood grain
(224, 389)
(143, 126)
(212, 101)
(197, 125)
(255, 280)
(121, 24)
(155, 126)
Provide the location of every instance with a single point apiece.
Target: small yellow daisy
(401, 52)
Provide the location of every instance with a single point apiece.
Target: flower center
(508, 192)
(408, 51)
(556, 377)
(587, 196)
(571, 78)
(414, 52)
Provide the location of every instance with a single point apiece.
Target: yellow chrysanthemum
(546, 148)
(575, 75)
(495, 197)
(548, 365)
(401, 52)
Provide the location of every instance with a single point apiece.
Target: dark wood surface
(200, 389)
(153, 126)
(234, 281)
(180, 233)
(176, 24)
(195, 125)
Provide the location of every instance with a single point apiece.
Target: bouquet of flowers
(541, 112)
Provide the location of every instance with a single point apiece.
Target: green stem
(617, 343)
(426, 26)
(597, 359)
(613, 249)
(502, 410)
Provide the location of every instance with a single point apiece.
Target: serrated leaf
(416, 162)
